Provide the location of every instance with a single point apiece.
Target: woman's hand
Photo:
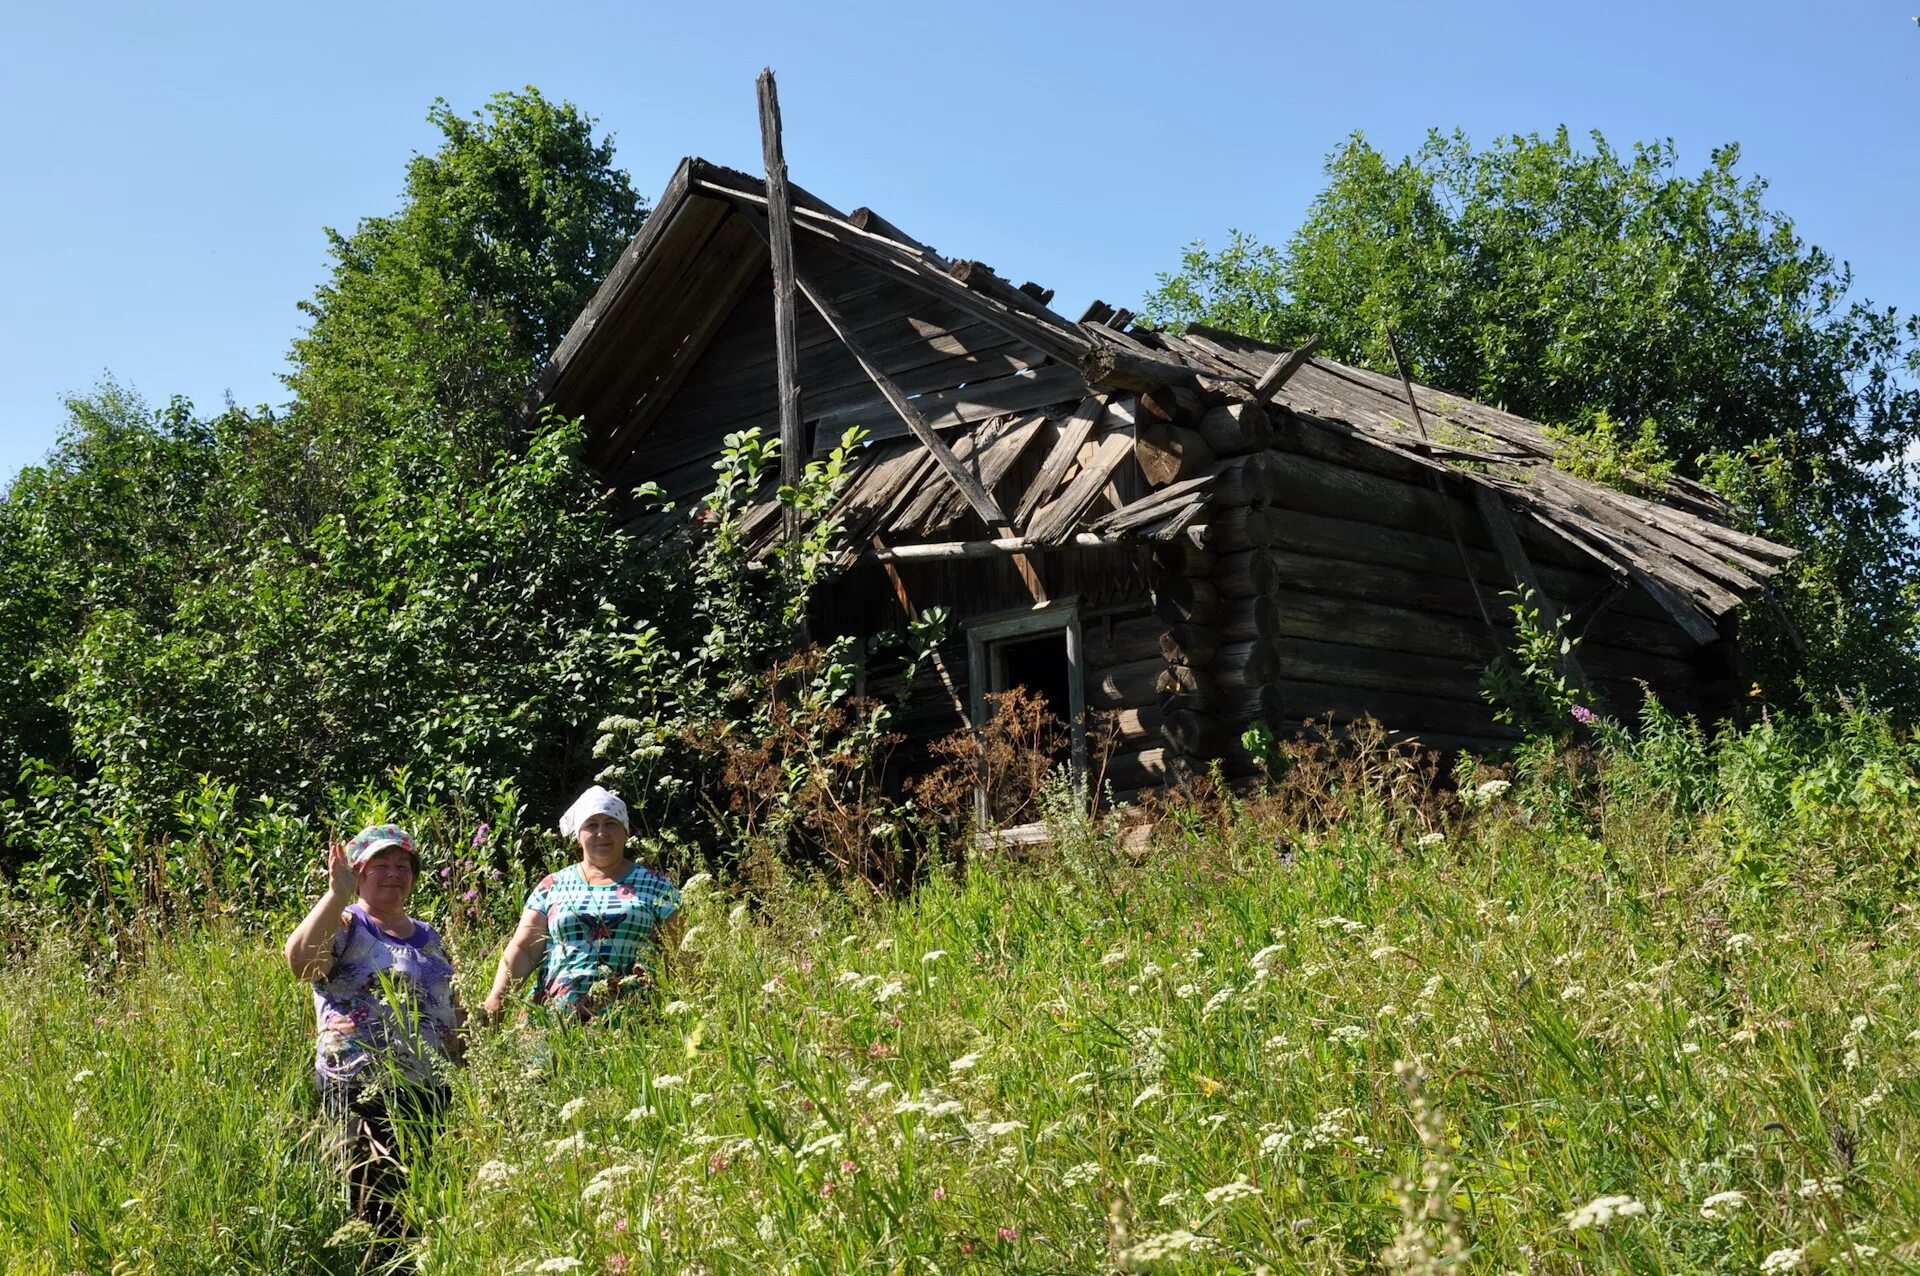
(490, 1011)
(309, 949)
(342, 882)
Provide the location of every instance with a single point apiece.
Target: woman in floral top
(384, 1003)
(592, 927)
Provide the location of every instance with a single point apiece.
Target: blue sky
(168, 168)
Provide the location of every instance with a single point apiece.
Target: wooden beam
(779, 237)
(977, 496)
(1493, 512)
(1003, 547)
(1283, 367)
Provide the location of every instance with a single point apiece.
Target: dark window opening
(1038, 665)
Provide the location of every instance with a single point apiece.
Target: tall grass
(1651, 1014)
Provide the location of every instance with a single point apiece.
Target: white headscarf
(595, 801)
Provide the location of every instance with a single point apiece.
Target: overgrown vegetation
(1665, 323)
(1649, 1007)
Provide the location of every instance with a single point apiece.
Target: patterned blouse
(597, 934)
(384, 996)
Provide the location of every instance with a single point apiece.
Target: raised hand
(341, 879)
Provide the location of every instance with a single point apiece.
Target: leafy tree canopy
(1595, 288)
(394, 570)
(440, 315)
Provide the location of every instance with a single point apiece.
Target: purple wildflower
(480, 835)
(1584, 716)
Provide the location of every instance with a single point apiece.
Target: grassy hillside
(1659, 1019)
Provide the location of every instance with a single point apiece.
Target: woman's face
(386, 880)
(603, 839)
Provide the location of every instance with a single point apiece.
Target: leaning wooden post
(780, 247)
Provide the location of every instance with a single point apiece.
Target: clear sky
(168, 167)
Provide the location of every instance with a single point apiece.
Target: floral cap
(378, 837)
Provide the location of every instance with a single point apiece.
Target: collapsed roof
(984, 364)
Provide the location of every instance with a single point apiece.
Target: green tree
(438, 317)
(395, 569)
(1582, 287)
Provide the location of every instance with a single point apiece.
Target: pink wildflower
(1009, 1233)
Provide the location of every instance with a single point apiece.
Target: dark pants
(376, 1130)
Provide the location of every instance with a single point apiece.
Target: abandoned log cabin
(1186, 533)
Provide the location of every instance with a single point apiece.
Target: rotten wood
(1283, 368)
(780, 246)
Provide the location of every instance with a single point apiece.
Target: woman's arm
(524, 952)
(309, 949)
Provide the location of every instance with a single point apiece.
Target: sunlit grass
(1186, 1062)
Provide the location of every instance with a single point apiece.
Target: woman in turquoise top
(593, 927)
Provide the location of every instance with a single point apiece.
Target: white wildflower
(825, 1143)
(1148, 1095)
(1739, 942)
(1187, 990)
(641, 1113)
(1574, 992)
(669, 1082)
(1150, 971)
(964, 1063)
(1488, 791)
(1817, 1189)
(1081, 1174)
(559, 1265)
(571, 1109)
(1113, 958)
(1741, 1036)
(1723, 1205)
(493, 1176)
(606, 1180)
(1267, 957)
(1782, 1260)
(1381, 953)
(1146, 1158)
(696, 886)
(1163, 1246)
(675, 1008)
(772, 986)
(85, 1074)
(936, 955)
(1000, 1129)
(1227, 1193)
(888, 991)
(1329, 1128)
(1218, 1000)
(1602, 1210)
(1173, 1198)
(572, 1145)
(737, 916)
(1429, 840)
(687, 944)
(879, 1089)
(1348, 1034)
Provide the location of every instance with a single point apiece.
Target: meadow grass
(1511, 1042)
